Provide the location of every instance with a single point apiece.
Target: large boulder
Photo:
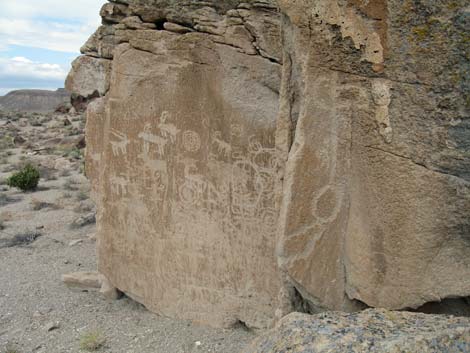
(88, 79)
(89, 76)
(254, 157)
(377, 331)
(182, 162)
(376, 191)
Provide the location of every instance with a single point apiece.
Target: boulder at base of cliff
(367, 331)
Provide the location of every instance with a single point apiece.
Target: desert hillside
(34, 100)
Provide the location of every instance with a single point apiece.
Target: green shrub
(26, 179)
(92, 341)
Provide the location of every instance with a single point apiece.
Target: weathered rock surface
(89, 78)
(367, 331)
(231, 187)
(109, 291)
(182, 160)
(93, 281)
(376, 193)
(83, 280)
(34, 100)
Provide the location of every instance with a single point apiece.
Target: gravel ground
(38, 313)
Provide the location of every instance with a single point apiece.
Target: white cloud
(56, 25)
(49, 24)
(46, 35)
(23, 68)
(81, 10)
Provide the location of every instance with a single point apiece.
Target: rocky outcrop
(34, 100)
(368, 331)
(181, 156)
(376, 188)
(251, 158)
(89, 77)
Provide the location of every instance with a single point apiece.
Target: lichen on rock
(377, 331)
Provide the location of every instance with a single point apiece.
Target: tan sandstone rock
(226, 194)
(108, 290)
(182, 161)
(83, 280)
(114, 13)
(376, 191)
(89, 76)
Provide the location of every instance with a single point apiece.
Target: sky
(40, 38)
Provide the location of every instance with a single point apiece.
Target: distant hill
(33, 100)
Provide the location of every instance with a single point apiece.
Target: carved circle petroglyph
(264, 183)
(254, 146)
(236, 130)
(326, 204)
(269, 217)
(244, 198)
(191, 141)
(188, 195)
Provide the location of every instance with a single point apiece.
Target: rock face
(254, 156)
(376, 189)
(182, 158)
(368, 331)
(34, 100)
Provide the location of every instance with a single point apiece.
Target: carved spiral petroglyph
(191, 141)
(236, 130)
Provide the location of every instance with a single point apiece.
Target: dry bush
(37, 205)
(92, 341)
(82, 195)
(47, 173)
(6, 199)
(85, 206)
(70, 184)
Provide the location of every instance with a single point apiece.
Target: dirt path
(49, 232)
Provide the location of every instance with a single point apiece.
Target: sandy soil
(49, 232)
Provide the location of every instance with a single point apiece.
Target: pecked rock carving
(251, 158)
(369, 151)
(182, 158)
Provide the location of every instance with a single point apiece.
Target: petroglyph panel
(375, 199)
(371, 200)
(315, 205)
(189, 220)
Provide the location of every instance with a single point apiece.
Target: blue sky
(40, 38)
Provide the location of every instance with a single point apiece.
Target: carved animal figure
(119, 185)
(150, 138)
(120, 146)
(168, 130)
(222, 147)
